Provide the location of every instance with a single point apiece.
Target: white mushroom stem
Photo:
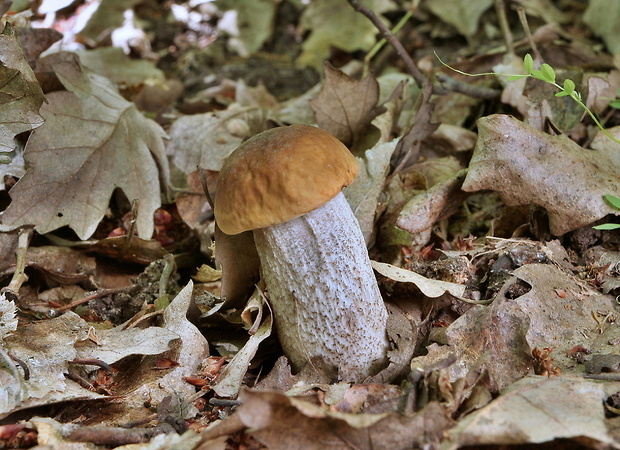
(323, 292)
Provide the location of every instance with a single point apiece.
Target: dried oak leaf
(20, 94)
(92, 142)
(528, 166)
(283, 422)
(345, 107)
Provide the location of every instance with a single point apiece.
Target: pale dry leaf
(558, 322)
(230, 379)
(363, 193)
(536, 410)
(20, 94)
(528, 166)
(93, 141)
(204, 140)
(282, 422)
(430, 288)
(47, 346)
(345, 107)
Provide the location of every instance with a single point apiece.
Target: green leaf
(528, 63)
(569, 86)
(548, 73)
(613, 200)
(615, 104)
(562, 94)
(607, 226)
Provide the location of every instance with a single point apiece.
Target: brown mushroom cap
(279, 175)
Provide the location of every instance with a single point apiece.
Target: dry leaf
(430, 288)
(92, 142)
(281, 422)
(442, 200)
(205, 140)
(345, 107)
(21, 98)
(528, 166)
(537, 410)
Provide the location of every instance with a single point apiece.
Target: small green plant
(546, 73)
(615, 202)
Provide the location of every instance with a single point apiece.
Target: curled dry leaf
(528, 166)
(430, 288)
(92, 142)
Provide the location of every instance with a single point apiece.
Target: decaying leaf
(502, 335)
(528, 166)
(20, 100)
(205, 140)
(345, 107)
(114, 64)
(92, 142)
(230, 379)
(430, 288)
(281, 422)
(363, 193)
(569, 408)
(443, 199)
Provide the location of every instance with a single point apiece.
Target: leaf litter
(501, 295)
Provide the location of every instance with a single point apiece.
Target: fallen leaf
(229, 380)
(92, 142)
(204, 140)
(440, 201)
(528, 166)
(569, 408)
(602, 18)
(21, 95)
(345, 107)
(282, 422)
(363, 194)
(430, 288)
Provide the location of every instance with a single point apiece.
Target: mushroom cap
(281, 174)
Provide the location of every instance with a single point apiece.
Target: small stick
(19, 275)
(98, 294)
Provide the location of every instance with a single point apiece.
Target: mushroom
(285, 184)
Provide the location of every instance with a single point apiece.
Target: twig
(445, 85)
(98, 294)
(19, 275)
(500, 10)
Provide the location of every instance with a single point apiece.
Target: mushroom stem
(323, 292)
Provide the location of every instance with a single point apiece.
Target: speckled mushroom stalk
(314, 262)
